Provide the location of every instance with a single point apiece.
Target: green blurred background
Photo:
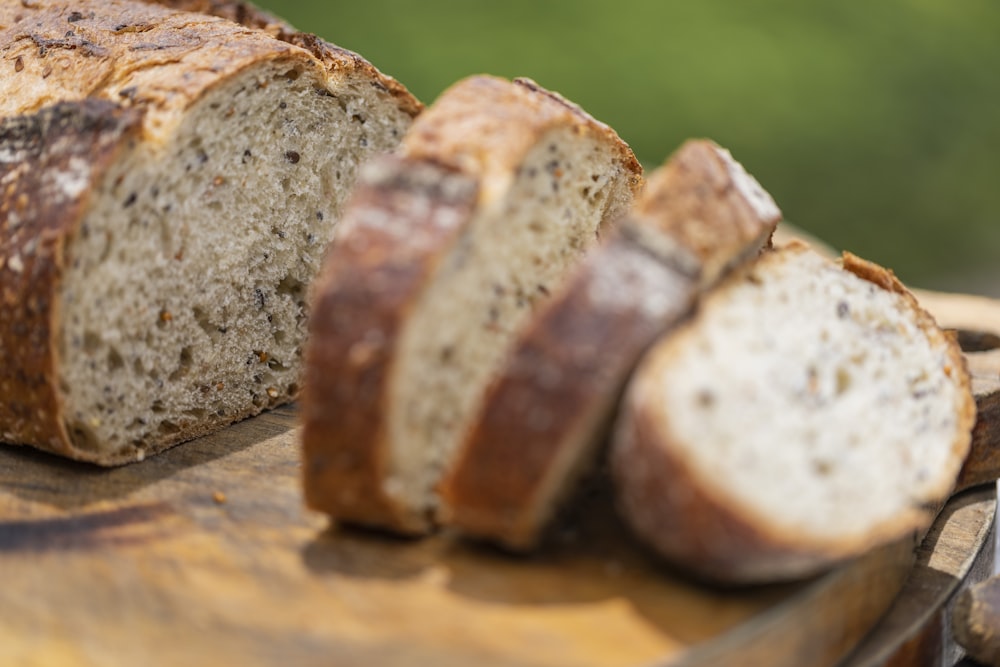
(876, 126)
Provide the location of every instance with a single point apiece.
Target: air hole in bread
(84, 437)
(115, 360)
(167, 426)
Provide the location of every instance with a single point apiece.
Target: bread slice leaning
(810, 412)
(545, 416)
(169, 184)
(447, 250)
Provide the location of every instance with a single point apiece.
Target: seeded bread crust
(687, 519)
(123, 73)
(402, 225)
(544, 418)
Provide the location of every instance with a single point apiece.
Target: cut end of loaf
(816, 413)
(184, 303)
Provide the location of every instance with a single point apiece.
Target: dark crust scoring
(402, 217)
(683, 517)
(40, 209)
(557, 392)
(544, 417)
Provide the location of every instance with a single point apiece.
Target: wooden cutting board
(205, 555)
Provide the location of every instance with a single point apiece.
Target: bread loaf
(808, 413)
(447, 249)
(545, 415)
(169, 184)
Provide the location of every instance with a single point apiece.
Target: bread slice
(498, 190)
(163, 221)
(807, 414)
(545, 416)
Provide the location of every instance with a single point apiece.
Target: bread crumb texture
(182, 302)
(813, 400)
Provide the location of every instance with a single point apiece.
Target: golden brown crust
(681, 514)
(544, 417)
(403, 215)
(47, 163)
(708, 207)
(146, 55)
(517, 114)
(130, 53)
(337, 59)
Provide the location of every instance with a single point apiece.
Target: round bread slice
(499, 189)
(808, 413)
(544, 418)
(169, 184)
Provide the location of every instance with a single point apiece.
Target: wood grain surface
(206, 555)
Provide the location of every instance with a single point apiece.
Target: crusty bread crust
(40, 156)
(338, 60)
(477, 133)
(544, 417)
(147, 56)
(143, 66)
(684, 516)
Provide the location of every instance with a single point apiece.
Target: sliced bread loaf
(544, 417)
(809, 412)
(161, 224)
(447, 249)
